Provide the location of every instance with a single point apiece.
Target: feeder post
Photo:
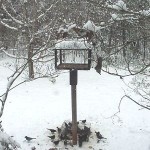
(73, 64)
(60, 56)
(56, 58)
(89, 59)
(73, 83)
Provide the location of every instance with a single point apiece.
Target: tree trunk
(110, 39)
(33, 30)
(30, 62)
(123, 37)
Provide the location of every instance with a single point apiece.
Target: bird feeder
(73, 56)
(69, 59)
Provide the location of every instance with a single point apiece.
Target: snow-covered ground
(37, 105)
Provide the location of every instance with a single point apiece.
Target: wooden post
(56, 58)
(89, 59)
(73, 83)
(74, 114)
(60, 56)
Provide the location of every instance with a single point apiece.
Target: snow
(72, 44)
(17, 21)
(91, 26)
(35, 106)
(10, 55)
(127, 17)
(66, 28)
(4, 137)
(62, 29)
(120, 5)
(145, 12)
(25, 1)
(71, 26)
(114, 16)
(43, 14)
(11, 79)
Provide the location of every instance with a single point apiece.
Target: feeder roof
(73, 44)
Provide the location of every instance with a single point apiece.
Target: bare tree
(31, 23)
(128, 45)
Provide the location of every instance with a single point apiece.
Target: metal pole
(73, 83)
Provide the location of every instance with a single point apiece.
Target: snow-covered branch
(8, 26)
(141, 105)
(11, 80)
(43, 14)
(14, 56)
(7, 142)
(120, 6)
(17, 21)
(14, 76)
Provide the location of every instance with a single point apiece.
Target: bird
(80, 140)
(61, 137)
(29, 138)
(52, 130)
(83, 121)
(87, 130)
(67, 129)
(99, 136)
(70, 124)
(52, 137)
(121, 77)
(66, 125)
(65, 142)
(33, 148)
(58, 130)
(64, 137)
(56, 142)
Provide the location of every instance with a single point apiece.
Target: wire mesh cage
(72, 54)
(79, 59)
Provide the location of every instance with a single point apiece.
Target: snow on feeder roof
(73, 54)
(73, 44)
(91, 26)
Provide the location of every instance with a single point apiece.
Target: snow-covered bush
(7, 142)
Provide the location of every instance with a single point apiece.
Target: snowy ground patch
(35, 106)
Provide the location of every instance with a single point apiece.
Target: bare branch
(14, 19)
(137, 102)
(43, 14)
(13, 56)
(8, 26)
